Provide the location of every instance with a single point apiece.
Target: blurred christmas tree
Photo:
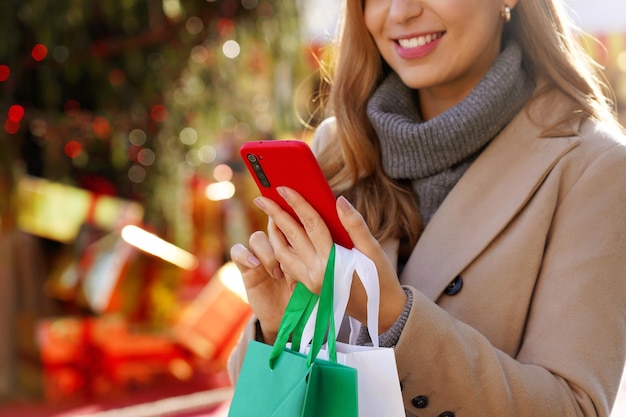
(134, 98)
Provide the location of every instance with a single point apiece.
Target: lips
(418, 46)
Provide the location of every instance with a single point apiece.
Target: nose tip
(401, 11)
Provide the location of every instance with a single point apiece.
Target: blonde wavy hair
(351, 158)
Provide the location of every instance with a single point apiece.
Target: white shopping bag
(377, 374)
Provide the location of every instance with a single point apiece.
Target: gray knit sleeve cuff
(390, 337)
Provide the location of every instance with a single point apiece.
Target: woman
(479, 147)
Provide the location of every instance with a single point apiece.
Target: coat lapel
(492, 191)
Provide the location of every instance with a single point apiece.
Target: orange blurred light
(5, 72)
(223, 172)
(11, 127)
(16, 112)
(101, 127)
(158, 113)
(39, 52)
(225, 27)
(73, 149)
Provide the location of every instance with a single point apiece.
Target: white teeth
(419, 41)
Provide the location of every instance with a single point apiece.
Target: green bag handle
(298, 311)
(296, 314)
(325, 319)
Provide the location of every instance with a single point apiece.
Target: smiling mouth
(418, 41)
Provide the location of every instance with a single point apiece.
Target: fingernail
(253, 261)
(259, 203)
(344, 204)
(283, 192)
(278, 273)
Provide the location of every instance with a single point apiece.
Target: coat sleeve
(571, 354)
(235, 360)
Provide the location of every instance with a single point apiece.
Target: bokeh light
(159, 113)
(146, 157)
(207, 154)
(231, 49)
(73, 149)
(101, 127)
(137, 137)
(5, 72)
(39, 52)
(225, 27)
(188, 136)
(194, 25)
(60, 54)
(117, 77)
(38, 127)
(222, 172)
(172, 9)
(220, 191)
(249, 4)
(137, 173)
(16, 113)
(11, 127)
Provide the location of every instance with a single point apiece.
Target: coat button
(421, 401)
(447, 414)
(454, 287)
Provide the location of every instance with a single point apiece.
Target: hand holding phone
(291, 163)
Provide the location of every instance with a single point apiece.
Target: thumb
(356, 227)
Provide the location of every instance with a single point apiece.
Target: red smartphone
(291, 163)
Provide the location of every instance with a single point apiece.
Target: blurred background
(121, 187)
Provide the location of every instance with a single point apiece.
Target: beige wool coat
(519, 279)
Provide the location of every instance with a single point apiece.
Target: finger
(263, 250)
(313, 224)
(356, 227)
(249, 265)
(292, 230)
(303, 265)
(291, 263)
(243, 258)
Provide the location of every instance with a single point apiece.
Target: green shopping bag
(276, 381)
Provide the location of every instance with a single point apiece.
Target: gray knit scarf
(434, 154)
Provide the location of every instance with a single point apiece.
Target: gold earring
(506, 14)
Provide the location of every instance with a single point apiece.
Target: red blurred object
(211, 325)
(73, 149)
(65, 356)
(5, 72)
(16, 113)
(159, 113)
(39, 52)
(96, 357)
(11, 127)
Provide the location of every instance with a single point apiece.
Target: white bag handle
(347, 261)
